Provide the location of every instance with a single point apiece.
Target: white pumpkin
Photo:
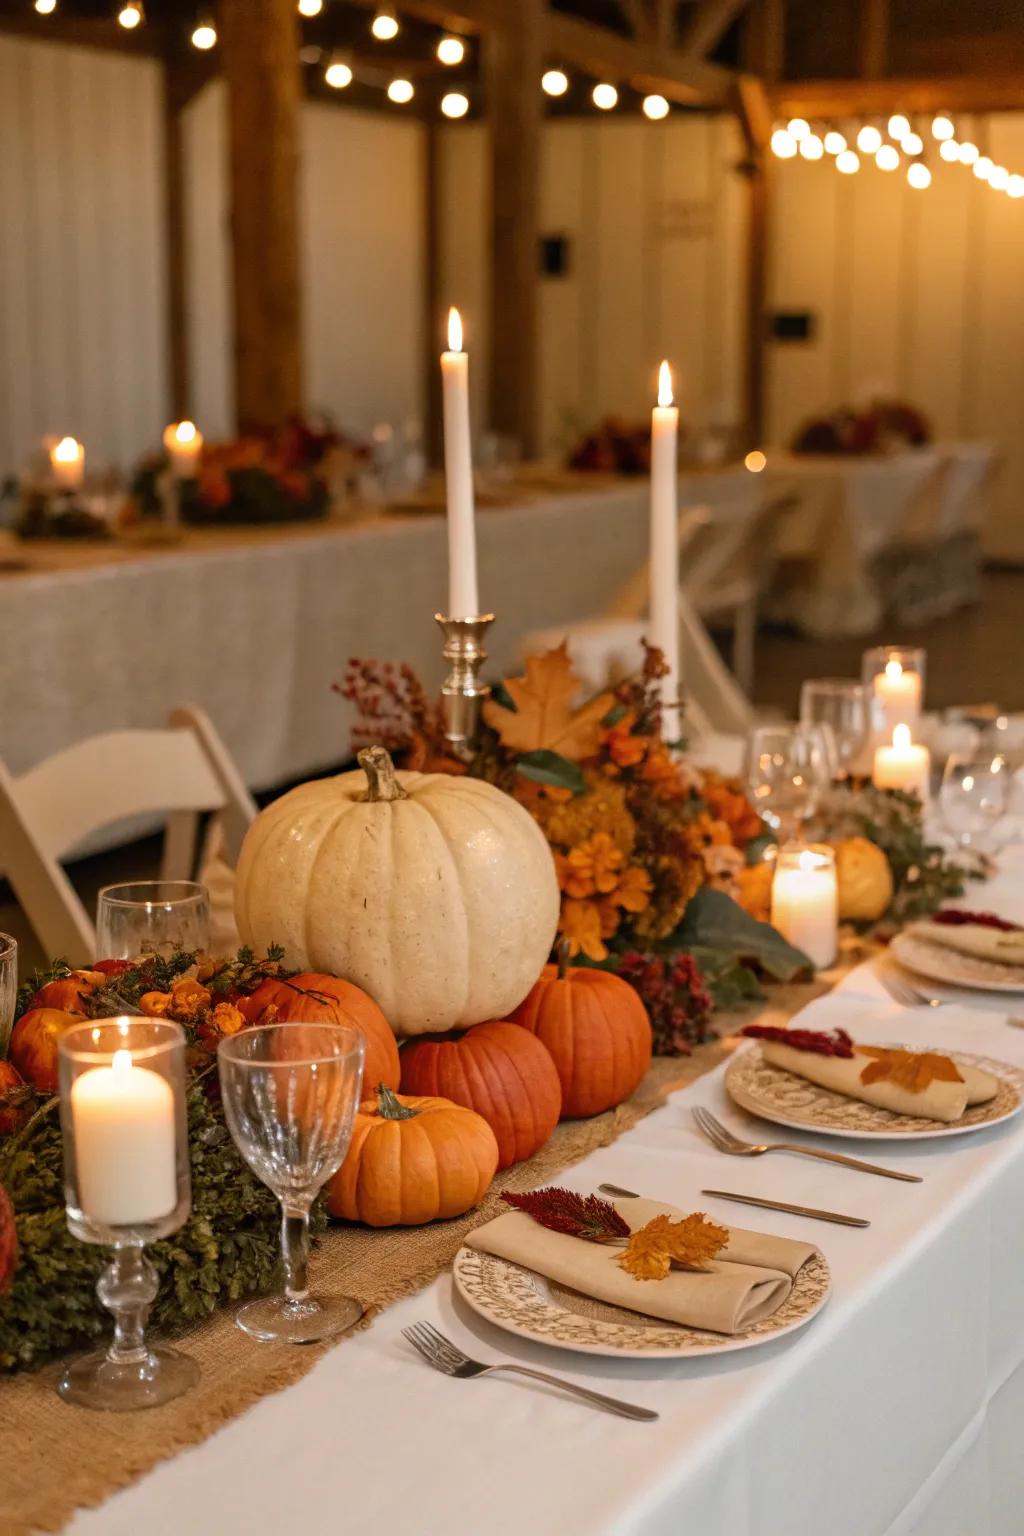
(436, 894)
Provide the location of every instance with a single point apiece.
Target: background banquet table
(896, 1412)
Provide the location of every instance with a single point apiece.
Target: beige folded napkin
(1006, 947)
(749, 1280)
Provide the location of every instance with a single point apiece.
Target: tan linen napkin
(749, 1280)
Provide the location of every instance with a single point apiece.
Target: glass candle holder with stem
(8, 989)
(839, 705)
(290, 1093)
(975, 796)
(151, 917)
(126, 1184)
(894, 678)
(788, 771)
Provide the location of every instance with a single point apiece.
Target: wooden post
(514, 63)
(177, 272)
(433, 325)
(260, 54)
(874, 38)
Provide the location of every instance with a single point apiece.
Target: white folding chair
(47, 813)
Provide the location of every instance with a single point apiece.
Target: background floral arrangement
(614, 447)
(884, 426)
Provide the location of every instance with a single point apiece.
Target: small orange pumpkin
(412, 1160)
(68, 993)
(596, 1030)
(16, 1099)
(33, 1046)
(502, 1072)
(314, 998)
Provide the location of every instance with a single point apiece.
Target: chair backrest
(735, 543)
(631, 601)
(49, 811)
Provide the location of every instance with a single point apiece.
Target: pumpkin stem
(390, 1106)
(381, 783)
(563, 953)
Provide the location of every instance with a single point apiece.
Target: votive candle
(905, 765)
(805, 901)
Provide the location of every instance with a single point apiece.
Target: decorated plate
(527, 1304)
(775, 1094)
(959, 970)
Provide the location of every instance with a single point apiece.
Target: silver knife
(792, 1210)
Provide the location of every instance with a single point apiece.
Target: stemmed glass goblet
(839, 706)
(151, 917)
(290, 1095)
(975, 795)
(788, 770)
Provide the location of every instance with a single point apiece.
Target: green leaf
(714, 921)
(500, 695)
(758, 846)
(546, 767)
(615, 714)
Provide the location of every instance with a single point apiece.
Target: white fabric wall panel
(208, 274)
(464, 221)
(82, 274)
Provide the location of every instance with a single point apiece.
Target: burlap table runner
(55, 1458)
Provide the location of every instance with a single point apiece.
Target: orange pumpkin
(597, 1031)
(413, 1160)
(502, 1072)
(33, 1047)
(312, 998)
(68, 993)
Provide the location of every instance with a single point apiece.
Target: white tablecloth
(896, 1412)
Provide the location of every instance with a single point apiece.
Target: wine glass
(8, 988)
(788, 770)
(975, 795)
(151, 917)
(840, 706)
(290, 1095)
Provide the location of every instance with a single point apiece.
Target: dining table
(895, 1411)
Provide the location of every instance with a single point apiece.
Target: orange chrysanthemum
(593, 867)
(633, 891)
(625, 749)
(581, 926)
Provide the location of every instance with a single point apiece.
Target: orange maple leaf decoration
(912, 1070)
(544, 719)
(692, 1242)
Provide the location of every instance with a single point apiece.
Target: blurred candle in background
(67, 461)
(184, 443)
(903, 765)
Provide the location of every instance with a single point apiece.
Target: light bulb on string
(999, 178)
(604, 96)
(451, 50)
(798, 128)
(401, 92)
(45, 7)
(454, 104)
(899, 126)
(949, 149)
(384, 25)
(942, 127)
(784, 146)
(982, 167)
(338, 73)
(131, 15)
(1015, 186)
(554, 82)
(835, 142)
(968, 153)
(847, 162)
(310, 8)
(869, 140)
(204, 35)
(919, 176)
(887, 158)
(913, 144)
(655, 107)
(811, 148)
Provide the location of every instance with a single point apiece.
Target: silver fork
(905, 992)
(443, 1355)
(725, 1141)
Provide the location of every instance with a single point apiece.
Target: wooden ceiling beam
(868, 98)
(874, 38)
(706, 28)
(645, 66)
(85, 32)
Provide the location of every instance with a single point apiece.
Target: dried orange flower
(581, 925)
(227, 1019)
(188, 997)
(155, 1004)
(594, 866)
(625, 749)
(634, 889)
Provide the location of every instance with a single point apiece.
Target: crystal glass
(788, 770)
(894, 678)
(840, 706)
(290, 1094)
(8, 988)
(126, 1183)
(151, 917)
(975, 796)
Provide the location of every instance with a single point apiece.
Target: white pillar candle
(904, 765)
(67, 462)
(184, 444)
(897, 698)
(125, 1143)
(664, 549)
(463, 600)
(805, 902)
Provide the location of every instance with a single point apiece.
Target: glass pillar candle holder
(151, 917)
(805, 900)
(894, 678)
(126, 1184)
(8, 989)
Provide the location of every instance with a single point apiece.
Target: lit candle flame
(67, 451)
(185, 432)
(121, 1062)
(900, 734)
(809, 859)
(665, 396)
(894, 670)
(454, 330)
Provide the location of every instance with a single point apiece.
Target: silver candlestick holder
(463, 693)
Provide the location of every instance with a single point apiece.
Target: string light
(554, 82)
(942, 127)
(655, 107)
(454, 104)
(968, 153)
(981, 167)
(913, 144)
(949, 149)
(451, 50)
(919, 176)
(401, 92)
(999, 178)
(338, 73)
(604, 96)
(812, 148)
(847, 162)
(783, 144)
(385, 24)
(798, 128)
(131, 15)
(310, 8)
(888, 158)
(204, 37)
(835, 142)
(755, 461)
(1015, 186)
(869, 140)
(899, 126)
(46, 7)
